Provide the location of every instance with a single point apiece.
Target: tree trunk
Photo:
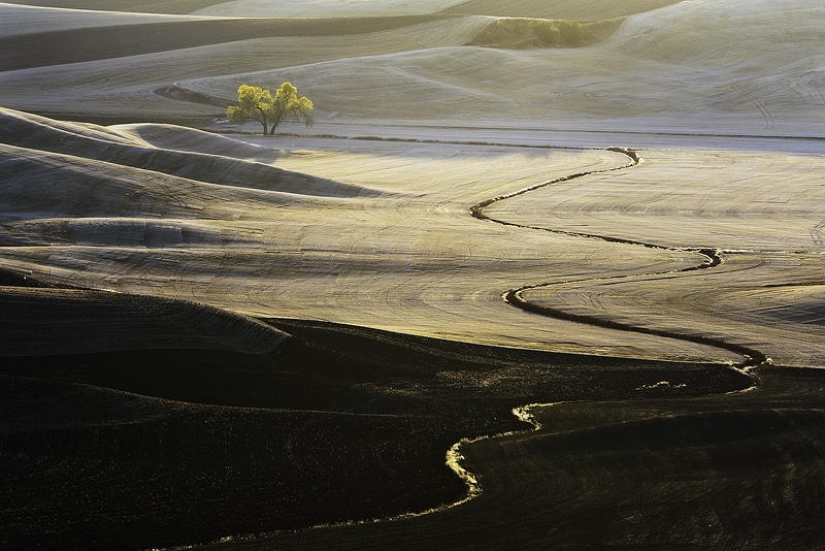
(263, 121)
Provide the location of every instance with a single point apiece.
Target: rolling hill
(512, 290)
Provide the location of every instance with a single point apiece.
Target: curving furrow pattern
(689, 200)
(516, 297)
(366, 233)
(401, 254)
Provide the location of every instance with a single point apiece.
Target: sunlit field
(528, 274)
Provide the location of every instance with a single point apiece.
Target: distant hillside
(522, 33)
(582, 10)
(148, 6)
(730, 66)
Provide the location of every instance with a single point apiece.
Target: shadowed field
(738, 472)
(337, 424)
(525, 284)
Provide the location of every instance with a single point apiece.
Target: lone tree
(258, 104)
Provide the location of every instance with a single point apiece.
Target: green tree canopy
(257, 103)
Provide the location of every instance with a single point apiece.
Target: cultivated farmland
(542, 275)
